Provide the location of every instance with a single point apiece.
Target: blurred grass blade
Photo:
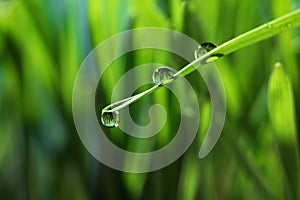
(189, 179)
(149, 14)
(178, 10)
(282, 117)
(281, 105)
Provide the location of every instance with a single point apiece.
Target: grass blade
(282, 117)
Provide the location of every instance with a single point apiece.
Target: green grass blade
(282, 117)
(149, 14)
(260, 33)
(253, 36)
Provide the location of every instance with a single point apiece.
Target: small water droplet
(203, 49)
(285, 26)
(110, 119)
(163, 75)
(270, 26)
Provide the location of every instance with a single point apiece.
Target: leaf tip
(278, 65)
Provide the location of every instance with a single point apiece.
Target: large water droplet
(163, 75)
(203, 49)
(110, 119)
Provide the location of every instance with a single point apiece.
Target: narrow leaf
(282, 117)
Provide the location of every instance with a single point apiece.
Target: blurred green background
(43, 43)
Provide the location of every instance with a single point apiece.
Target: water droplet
(285, 26)
(270, 26)
(289, 25)
(203, 49)
(163, 75)
(110, 119)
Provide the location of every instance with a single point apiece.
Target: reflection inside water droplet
(110, 119)
(208, 46)
(163, 75)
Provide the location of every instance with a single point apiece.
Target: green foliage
(282, 117)
(281, 105)
(43, 43)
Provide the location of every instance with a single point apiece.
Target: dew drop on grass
(289, 25)
(270, 26)
(110, 119)
(163, 75)
(285, 26)
(203, 49)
